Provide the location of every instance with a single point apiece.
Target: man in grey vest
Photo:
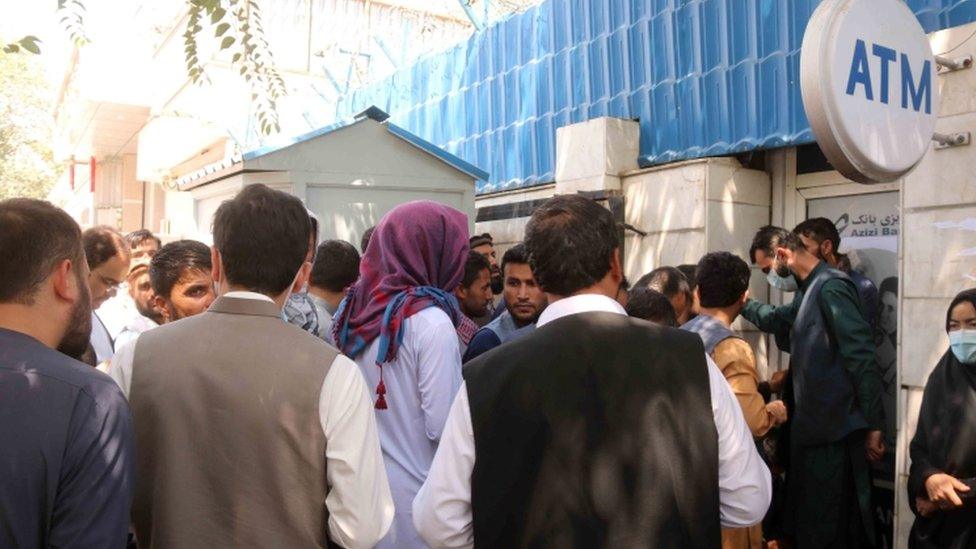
(251, 431)
(837, 416)
(66, 454)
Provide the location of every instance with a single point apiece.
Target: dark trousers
(828, 501)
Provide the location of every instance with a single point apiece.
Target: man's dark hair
(819, 229)
(103, 243)
(35, 237)
(262, 236)
(336, 266)
(135, 238)
(667, 280)
(515, 254)
(480, 240)
(571, 240)
(652, 306)
(771, 237)
(688, 270)
(473, 265)
(173, 260)
(364, 241)
(722, 279)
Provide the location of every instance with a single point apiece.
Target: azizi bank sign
(867, 74)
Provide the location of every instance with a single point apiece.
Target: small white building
(349, 174)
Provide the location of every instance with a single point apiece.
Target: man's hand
(874, 444)
(942, 490)
(778, 380)
(777, 409)
(925, 507)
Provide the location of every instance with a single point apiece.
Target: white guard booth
(349, 174)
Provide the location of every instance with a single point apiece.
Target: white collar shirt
(442, 509)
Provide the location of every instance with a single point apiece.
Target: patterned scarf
(414, 260)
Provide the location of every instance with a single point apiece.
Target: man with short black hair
(66, 451)
(119, 313)
(108, 258)
(236, 385)
(723, 288)
(524, 301)
(364, 241)
(336, 268)
(182, 285)
(143, 244)
(596, 429)
(652, 306)
(836, 422)
(474, 292)
(820, 237)
(670, 282)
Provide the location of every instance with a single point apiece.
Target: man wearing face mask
(820, 237)
(837, 416)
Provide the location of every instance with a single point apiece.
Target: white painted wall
(938, 250)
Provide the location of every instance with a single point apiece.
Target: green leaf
(217, 15)
(236, 58)
(221, 29)
(11, 48)
(227, 42)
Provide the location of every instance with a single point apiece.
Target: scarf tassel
(381, 394)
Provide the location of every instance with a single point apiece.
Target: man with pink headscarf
(401, 324)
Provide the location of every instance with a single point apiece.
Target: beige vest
(229, 442)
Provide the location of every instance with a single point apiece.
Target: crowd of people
(274, 391)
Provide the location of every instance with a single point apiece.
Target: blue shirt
(500, 330)
(66, 450)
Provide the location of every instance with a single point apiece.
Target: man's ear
(744, 298)
(162, 307)
(217, 270)
(65, 282)
(616, 266)
(301, 278)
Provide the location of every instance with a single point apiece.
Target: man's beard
(497, 285)
(75, 341)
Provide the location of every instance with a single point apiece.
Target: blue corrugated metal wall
(704, 77)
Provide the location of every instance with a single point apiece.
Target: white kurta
(420, 386)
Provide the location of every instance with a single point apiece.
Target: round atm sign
(869, 86)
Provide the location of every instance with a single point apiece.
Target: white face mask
(963, 345)
(785, 283)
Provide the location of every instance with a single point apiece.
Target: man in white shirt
(596, 429)
(108, 260)
(119, 311)
(250, 430)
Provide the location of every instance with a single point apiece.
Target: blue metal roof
(703, 77)
(374, 113)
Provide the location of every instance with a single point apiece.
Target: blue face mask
(963, 344)
(785, 283)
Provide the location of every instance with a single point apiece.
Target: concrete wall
(691, 208)
(938, 248)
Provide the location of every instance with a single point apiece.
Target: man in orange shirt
(722, 291)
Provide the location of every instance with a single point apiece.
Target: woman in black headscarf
(941, 483)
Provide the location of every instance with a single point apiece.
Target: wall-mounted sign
(870, 91)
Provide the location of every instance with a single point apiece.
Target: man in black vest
(595, 430)
(66, 447)
(837, 417)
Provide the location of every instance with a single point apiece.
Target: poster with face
(869, 225)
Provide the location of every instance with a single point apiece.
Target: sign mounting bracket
(947, 140)
(951, 65)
